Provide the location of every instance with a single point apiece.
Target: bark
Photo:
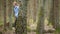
(21, 22)
(10, 13)
(4, 4)
(54, 13)
(40, 25)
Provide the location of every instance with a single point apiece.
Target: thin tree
(54, 14)
(10, 13)
(40, 25)
(21, 22)
(4, 3)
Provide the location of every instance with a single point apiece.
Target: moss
(28, 29)
(58, 30)
(0, 32)
(1, 23)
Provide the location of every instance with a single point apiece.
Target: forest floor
(35, 33)
(31, 32)
(13, 32)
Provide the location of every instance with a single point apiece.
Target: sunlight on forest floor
(32, 27)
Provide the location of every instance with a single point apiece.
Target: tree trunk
(4, 3)
(21, 22)
(40, 25)
(54, 14)
(10, 13)
(51, 17)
